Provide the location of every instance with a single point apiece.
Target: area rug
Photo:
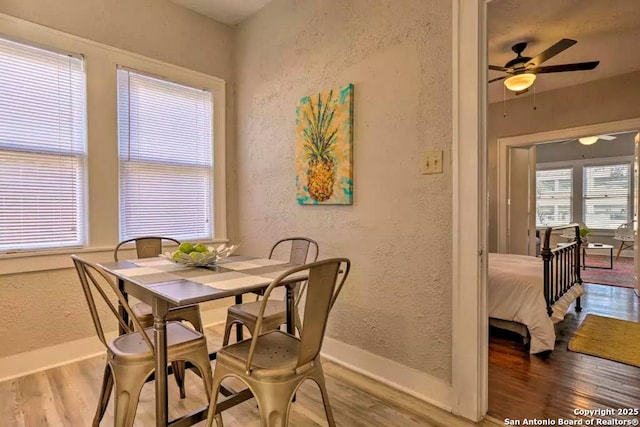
(613, 339)
(623, 273)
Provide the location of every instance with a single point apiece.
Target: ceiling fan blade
(607, 137)
(579, 66)
(498, 78)
(551, 52)
(520, 92)
(496, 68)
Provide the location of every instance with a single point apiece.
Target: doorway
(610, 224)
(521, 385)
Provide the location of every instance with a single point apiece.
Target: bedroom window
(42, 148)
(607, 196)
(554, 189)
(165, 143)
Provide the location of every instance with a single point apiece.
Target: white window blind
(553, 197)
(607, 196)
(166, 162)
(42, 148)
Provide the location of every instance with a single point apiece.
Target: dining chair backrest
(146, 246)
(325, 281)
(95, 280)
(299, 253)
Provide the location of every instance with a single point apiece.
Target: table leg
(291, 320)
(291, 309)
(123, 313)
(239, 336)
(160, 309)
(611, 258)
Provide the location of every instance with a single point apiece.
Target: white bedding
(515, 293)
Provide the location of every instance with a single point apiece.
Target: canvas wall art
(324, 139)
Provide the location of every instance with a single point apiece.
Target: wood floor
(521, 385)
(66, 396)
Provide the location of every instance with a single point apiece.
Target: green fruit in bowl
(186, 247)
(200, 248)
(195, 256)
(177, 255)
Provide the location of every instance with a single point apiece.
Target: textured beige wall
(397, 303)
(47, 308)
(601, 101)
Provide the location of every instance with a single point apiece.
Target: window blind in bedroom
(607, 196)
(553, 197)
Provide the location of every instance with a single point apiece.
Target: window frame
(571, 196)
(77, 153)
(578, 184)
(629, 164)
(164, 164)
(101, 62)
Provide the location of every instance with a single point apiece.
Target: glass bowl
(202, 259)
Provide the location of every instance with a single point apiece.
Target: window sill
(25, 262)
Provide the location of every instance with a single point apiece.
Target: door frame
(535, 138)
(469, 327)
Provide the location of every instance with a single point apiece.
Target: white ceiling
(230, 12)
(608, 31)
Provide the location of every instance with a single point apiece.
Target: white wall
(397, 302)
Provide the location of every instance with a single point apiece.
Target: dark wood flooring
(528, 386)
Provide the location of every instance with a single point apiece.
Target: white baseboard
(29, 362)
(394, 374)
(416, 383)
(21, 364)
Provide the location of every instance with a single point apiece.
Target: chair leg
(218, 375)
(128, 381)
(619, 250)
(105, 394)
(298, 324)
(178, 373)
(203, 365)
(227, 330)
(318, 377)
(191, 315)
(274, 402)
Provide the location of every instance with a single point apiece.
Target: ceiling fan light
(588, 140)
(520, 81)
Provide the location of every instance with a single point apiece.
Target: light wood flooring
(67, 396)
(522, 385)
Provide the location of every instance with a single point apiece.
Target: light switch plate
(432, 162)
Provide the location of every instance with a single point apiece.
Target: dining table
(163, 283)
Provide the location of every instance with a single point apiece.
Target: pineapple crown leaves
(320, 138)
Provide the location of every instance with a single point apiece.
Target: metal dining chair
(149, 247)
(274, 364)
(130, 357)
(276, 311)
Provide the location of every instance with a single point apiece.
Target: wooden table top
(182, 285)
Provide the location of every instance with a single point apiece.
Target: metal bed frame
(561, 266)
(561, 270)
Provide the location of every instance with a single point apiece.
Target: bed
(529, 294)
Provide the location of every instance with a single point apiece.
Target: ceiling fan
(589, 140)
(522, 70)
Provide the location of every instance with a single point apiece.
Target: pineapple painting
(324, 125)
